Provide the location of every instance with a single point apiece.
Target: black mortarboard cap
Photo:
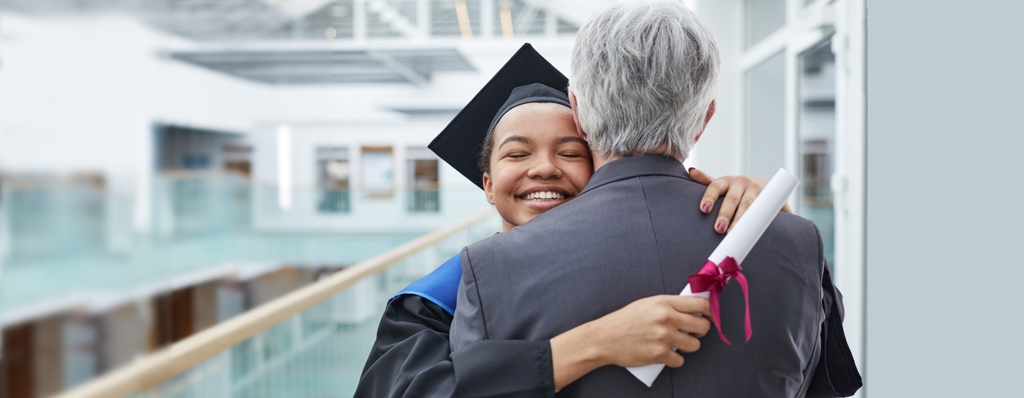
(460, 143)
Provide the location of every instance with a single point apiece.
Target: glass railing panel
(191, 205)
(66, 239)
(320, 351)
(424, 200)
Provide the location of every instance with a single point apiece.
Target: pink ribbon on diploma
(713, 278)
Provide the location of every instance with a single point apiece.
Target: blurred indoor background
(166, 165)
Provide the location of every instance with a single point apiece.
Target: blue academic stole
(441, 286)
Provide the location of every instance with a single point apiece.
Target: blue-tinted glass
(817, 130)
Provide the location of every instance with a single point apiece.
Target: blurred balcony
(107, 289)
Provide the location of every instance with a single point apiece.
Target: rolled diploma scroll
(738, 242)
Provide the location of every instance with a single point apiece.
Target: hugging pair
(603, 225)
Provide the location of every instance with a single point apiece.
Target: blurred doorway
(202, 181)
(17, 363)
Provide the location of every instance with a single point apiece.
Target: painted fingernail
(720, 227)
(705, 207)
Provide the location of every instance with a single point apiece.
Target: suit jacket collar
(636, 166)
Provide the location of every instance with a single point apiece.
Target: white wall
(81, 94)
(718, 152)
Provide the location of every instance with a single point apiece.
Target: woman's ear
(488, 188)
(576, 115)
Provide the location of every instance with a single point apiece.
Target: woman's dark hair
(484, 160)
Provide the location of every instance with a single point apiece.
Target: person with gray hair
(643, 91)
(637, 94)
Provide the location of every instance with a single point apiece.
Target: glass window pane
(765, 117)
(762, 18)
(333, 173)
(422, 173)
(817, 130)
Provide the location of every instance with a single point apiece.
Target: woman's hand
(739, 193)
(641, 333)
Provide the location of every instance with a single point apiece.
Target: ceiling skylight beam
(572, 11)
(465, 25)
(269, 70)
(394, 19)
(400, 68)
(525, 18)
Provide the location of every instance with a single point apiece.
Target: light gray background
(944, 243)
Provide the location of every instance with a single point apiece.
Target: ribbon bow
(713, 278)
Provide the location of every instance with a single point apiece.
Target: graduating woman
(517, 140)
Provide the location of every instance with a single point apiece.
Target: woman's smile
(545, 197)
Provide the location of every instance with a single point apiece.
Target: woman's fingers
(685, 343)
(700, 177)
(673, 360)
(737, 192)
(748, 198)
(684, 316)
(730, 203)
(687, 304)
(714, 190)
(692, 325)
(656, 329)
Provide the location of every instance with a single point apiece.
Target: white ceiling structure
(249, 38)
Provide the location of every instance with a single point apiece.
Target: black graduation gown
(411, 356)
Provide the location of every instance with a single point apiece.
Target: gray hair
(644, 75)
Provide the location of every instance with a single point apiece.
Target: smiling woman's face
(538, 162)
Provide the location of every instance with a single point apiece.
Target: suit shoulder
(482, 252)
(798, 227)
(796, 235)
(801, 239)
(488, 243)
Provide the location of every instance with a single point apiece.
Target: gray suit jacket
(635, 231)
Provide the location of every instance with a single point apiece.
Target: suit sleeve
(411, 358)
(469, 324)
(836, 374)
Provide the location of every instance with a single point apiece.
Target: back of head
(644, 74)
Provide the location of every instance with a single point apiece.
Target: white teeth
(544, 195)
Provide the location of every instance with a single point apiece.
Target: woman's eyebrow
(572, 138)
(514, 138)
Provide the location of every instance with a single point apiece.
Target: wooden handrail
(154, 369)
